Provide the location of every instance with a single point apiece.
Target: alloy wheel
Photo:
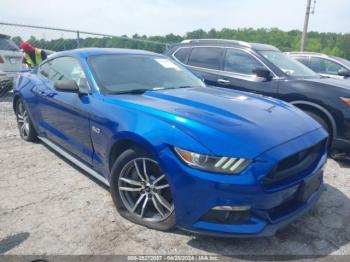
(23, 121)
(145, 191)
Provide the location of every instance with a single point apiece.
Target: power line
(82, 32)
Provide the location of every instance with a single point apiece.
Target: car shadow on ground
(12, 241)
(322, 231)
(81, 171)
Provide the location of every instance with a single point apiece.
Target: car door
(237, 73)
(326, 67)
(205, 62)
(65, 116)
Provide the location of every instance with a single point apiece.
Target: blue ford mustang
(173, 151)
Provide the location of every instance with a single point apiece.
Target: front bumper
(259, 227)
(196, 192)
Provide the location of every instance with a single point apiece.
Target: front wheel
(320, 120)
(324, 124)
(24, 123)
(140, 190)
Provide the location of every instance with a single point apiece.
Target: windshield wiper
(143, 90)
(133, 91)
(176, 87)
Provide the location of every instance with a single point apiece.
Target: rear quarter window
(182, 54)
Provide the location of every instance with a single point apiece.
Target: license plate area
(307, 188)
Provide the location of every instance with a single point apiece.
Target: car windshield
(343, 61)
(288, 65)
(7, 44)
(131, 73)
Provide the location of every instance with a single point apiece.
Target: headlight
(228, 165)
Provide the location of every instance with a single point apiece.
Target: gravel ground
(48, 206)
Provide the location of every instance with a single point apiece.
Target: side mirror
(344, 72)
(66, 86)
(263, 73)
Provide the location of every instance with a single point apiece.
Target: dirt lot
(48, 206)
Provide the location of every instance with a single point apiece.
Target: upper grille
(294, 165)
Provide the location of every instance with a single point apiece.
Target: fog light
(228, 215)
(232, 208)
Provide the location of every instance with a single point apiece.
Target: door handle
(223, 81)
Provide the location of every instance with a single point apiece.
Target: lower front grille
(295, 164)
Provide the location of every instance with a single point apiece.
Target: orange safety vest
(38, 58)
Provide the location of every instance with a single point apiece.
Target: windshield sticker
(167, 64)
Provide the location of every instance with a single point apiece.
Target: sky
(161, 17)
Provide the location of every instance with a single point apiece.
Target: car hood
(343, 84)
(227, 122)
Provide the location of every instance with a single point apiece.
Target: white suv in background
(11, 59)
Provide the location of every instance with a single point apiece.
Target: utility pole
(306, 24)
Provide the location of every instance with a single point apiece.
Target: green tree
(328, 43)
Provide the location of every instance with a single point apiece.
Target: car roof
(307, 54)
(228, 43)
(5, 36)
(87, 52)
(315, 54)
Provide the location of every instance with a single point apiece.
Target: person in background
(32, 56)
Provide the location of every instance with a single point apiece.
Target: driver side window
(240, 62)
(44, 69)
(68, 68)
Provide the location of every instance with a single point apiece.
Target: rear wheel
(140, 190)
(24, 123)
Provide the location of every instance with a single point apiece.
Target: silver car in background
(325, 65)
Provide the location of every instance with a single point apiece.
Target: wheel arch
(306, 105)
(14, 101)
(124, 142)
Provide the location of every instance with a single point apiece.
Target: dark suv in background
(264, 69)
(325, 65)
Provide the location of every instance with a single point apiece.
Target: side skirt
(74, 160)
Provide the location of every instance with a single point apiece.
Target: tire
(323, 123)
(24, 123)
(142, 202)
